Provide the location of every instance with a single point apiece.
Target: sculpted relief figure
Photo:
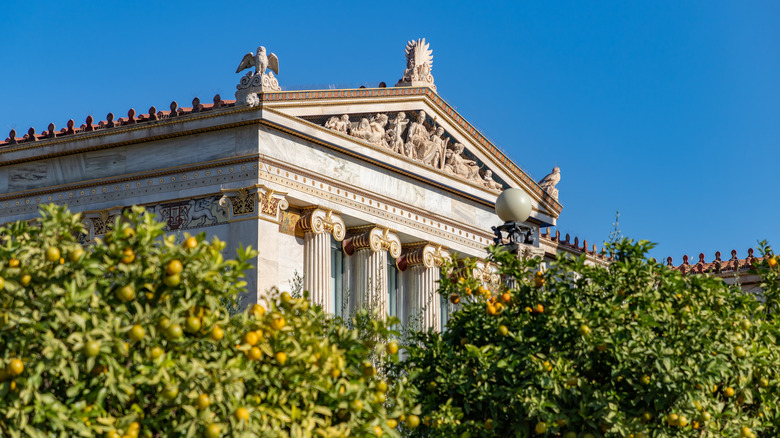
(339, 124)
(457, 164)
(373, 130)
(394, 136)
(434, 148)
(490, 182)
(417, 137)
(548, 182)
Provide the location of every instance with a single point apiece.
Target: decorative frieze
(191, 213)
(416, 139)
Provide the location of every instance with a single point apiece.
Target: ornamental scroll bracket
(425, 254)
(321, 220)
(374, 238)
(256, 201)
(487, 273)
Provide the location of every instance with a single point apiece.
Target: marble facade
(299, 175)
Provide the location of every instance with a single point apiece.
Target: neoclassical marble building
(361, 192)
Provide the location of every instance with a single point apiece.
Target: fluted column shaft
(318, 225)
(317, 268)
(423, 263)
(371, 280)
(370, 246)
(424, 296)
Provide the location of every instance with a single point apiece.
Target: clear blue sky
(668, 111)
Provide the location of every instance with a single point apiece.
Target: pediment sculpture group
(427, 146)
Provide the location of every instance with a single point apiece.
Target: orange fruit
(127, 256)
(52, 254)
(242, 414)
(257, 310)
(136, 333)
(392, 347)
(203, 401)
(125, 293)
(254, 353)
(217, 333)
(278, 323)
(174, 267)
(190, 243)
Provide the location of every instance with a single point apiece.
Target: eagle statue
(548, 182)
(260, 62)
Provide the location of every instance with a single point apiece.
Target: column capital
(427, 254)
(375, 238)
(487, 273)
(258, 201)
(321, 220)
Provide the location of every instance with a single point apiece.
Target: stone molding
(320, 220)
(376, 239)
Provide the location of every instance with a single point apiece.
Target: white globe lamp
(513, 205)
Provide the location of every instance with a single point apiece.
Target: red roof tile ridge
(717, 265)
(132, 118)
(575, 246)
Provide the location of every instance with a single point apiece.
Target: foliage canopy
(131, 336)
(633, 349)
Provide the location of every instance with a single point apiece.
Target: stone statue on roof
(548, 182)
(419, 63)
(259, 81)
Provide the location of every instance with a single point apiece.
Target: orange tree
(130, 336)
(633, 349)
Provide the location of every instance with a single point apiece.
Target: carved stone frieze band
(375, 238)
(416, 139)
(320, 220)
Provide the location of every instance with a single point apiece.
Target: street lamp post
(513, 206)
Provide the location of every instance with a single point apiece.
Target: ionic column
(369, 248)
(318, 225)
(423, 264)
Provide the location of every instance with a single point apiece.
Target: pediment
(416, 126)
